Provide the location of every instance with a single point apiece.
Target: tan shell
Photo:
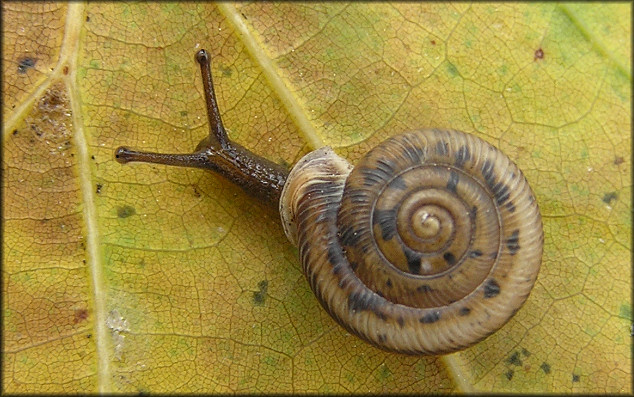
(432, 245)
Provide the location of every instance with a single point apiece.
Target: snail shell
(430, 244)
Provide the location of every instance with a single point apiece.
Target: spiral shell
(430, 244)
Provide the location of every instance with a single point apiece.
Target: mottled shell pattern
(430, 244)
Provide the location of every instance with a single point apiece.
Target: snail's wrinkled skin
(430, 244)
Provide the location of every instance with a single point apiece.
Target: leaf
(143, 278)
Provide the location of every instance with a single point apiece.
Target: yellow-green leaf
(145, 278)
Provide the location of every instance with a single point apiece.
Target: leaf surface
(145, 278)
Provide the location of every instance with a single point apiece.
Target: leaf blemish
(25, 64)
(125, 211)
(539, 54)
(609, 197)
(259, 297)
(514, 359)
(80, 315)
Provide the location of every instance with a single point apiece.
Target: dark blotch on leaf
(491, 289)
(125, 211)
(259, 297)
(514, 359)
(539, 54)
(25, 64)
(609, 197)
(98, 189)
(575, 378)
(545, 367)
(509, 374)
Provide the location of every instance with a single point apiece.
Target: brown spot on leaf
(196, 191)
(539, 54)
(80, 315)
(545, 367)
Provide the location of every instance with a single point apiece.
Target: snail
(428, 245)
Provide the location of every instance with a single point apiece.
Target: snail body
(428, 245)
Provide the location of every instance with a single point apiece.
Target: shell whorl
(431, 243)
